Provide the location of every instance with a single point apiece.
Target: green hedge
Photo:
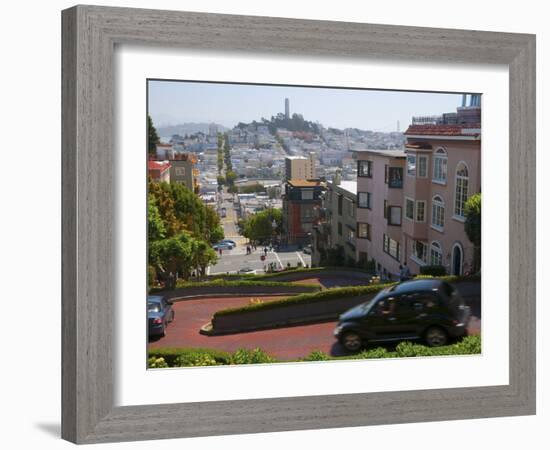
(194, 357)
(328, 294)
(170, 355)
(187, 357)
(240, 283)
(470, 345)
(333, 293)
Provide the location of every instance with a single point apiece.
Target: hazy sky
(176, 102)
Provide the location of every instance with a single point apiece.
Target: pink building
(443, 171)
(380, 183)
(410, 204)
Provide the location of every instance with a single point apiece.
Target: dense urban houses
(334, 238)
(159, 170)
(174, 166)
(300, 201)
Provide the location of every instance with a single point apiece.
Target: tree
(152, 137)
(472, 226)
(259, 227)
(155, 226)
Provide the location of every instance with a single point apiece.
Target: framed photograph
(276, 226)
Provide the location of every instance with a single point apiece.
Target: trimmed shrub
(435, 271)
(328, 294)
(169, 355)
(317, 355)
(220, 282)
(195, 359)
(156, 363)
(256, 356)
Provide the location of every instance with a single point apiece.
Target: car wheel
(163, 332)
(172, 316)
(351, 341)
(436, 337)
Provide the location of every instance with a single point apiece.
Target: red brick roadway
(283, 343)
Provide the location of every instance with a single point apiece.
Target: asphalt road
(283, 343)
(236, 259)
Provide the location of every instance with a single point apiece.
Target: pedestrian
(404, 272)
(265, 251)
(220, 251)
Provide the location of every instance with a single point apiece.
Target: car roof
(407, 287)
(154, 298)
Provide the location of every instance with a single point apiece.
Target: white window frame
(423, 211)
(407, 199)
(415, 258)
(440, 155)
(435, 247)
(411, 156)
(437, 204)
(460, 217)
(425, 159)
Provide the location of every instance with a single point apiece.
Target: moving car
(229, 241)
(159, 314)
(246, 271)
(427, 309)
(223, 246)
(307, 250)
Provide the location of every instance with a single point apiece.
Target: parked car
(426, 309)
(159, 314)
(229, 241)
(246, 271)
(223, 246)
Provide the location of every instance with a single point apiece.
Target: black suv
(426, 309)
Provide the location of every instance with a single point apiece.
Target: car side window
(423, 302)
(385, 307)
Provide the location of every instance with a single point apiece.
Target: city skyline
(176, 102)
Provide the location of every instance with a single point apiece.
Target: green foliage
(152, 137)
(374, 353)
(179, 209)
(186, 357)
(317, 355)
(170, 355)
(252, 188)
(467, 346)
(259, 227)
(256, 356)
(472, 226)
(243, 283)
(328, 294)
(156, 228)
(156, 363)
(436, 271)
(195, 359)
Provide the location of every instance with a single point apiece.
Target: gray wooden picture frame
(90, 34)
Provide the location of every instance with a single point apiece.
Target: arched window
(436, 254)
(440, 166)
(461, 189)
(438, 213)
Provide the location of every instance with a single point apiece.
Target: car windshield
(153, 307)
